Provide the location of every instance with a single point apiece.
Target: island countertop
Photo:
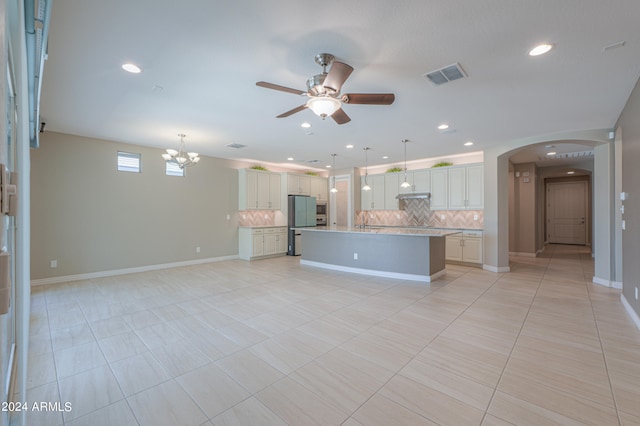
(402, 253)
(419, 232)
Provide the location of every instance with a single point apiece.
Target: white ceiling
(201, 60)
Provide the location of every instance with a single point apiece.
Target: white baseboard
(372, 272)
(634, 316)
(497, 269)
(607, 283)
(115, 272)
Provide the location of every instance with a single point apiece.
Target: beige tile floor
(272, 343)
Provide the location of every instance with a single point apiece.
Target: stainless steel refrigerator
(301, 213)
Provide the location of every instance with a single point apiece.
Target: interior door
(567, 212)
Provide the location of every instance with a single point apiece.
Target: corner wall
(629, 124)
(92, 218)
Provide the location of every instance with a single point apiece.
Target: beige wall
(92, 218)
(522, 204)
(629, 122)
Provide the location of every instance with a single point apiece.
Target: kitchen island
(403, 253)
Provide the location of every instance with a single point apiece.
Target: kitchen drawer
(477, 234)
(257, 231)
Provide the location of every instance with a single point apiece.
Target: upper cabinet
(314, 186)
(374, 198)
(259, 190)
(451, 188)
(439, 185)
(319, 188)
(466, 187)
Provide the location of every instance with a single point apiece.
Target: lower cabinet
(464, 247)
(262, 242)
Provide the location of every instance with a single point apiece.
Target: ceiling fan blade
(280, 88)
(292, 111)
(337, 75)
(340, 116)
(369, 98)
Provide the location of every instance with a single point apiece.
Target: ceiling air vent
(446, 74)
(236, 145)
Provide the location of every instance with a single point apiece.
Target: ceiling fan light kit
(323, 91)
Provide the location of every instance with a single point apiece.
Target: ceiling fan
(323, 91)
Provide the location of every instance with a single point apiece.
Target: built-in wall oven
(321, 213)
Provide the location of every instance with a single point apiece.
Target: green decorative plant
(257, 167)
(311, 173)
(395, 170)
(442, 164)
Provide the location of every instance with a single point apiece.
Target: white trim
(115, 272)
(496, 269)
(372, 272)
(634, 316)
(607, 283)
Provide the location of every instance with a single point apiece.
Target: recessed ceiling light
(134, 69)
(551, 153)
(468, 143)
(443, 126)
(349, 146)
(571, 172)
(328, 166)
(305, 125)
(385, 157)
(540, 49)
(290, 158)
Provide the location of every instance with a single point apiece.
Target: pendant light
(333, 172)
(405, 184)
(366, 186)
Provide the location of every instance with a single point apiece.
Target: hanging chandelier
(405, 184)
(333, 172)
(181, 157)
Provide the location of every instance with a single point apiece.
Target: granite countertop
(428, 227)
(419, 232)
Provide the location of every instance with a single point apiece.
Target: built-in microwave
(321, 214)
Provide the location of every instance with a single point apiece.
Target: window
(173, 169)
(129, 162)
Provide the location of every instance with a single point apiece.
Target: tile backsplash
(256, 218)
(462, 219)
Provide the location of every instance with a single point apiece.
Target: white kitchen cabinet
(421, 181)
(466, 185)
(298, 184)
(464, 247)
(259, 190)
(318, 188)
(475, 187)
(262, 242)
(373, 199)
(392, 183)
(439, 182)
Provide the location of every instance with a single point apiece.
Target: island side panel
(436, 254)
(405, 254)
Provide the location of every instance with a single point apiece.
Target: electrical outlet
(475, 217)
(442, 216)
(624, 225)
(197, 249)
(355, 256)
(54, 264)
(228, 217)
